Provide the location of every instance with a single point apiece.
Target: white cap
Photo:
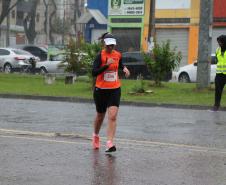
(110, 41)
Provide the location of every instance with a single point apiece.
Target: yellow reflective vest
(221, 64)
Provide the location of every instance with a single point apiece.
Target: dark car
(38, 51)
(134, 61)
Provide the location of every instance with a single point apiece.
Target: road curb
(84, 100)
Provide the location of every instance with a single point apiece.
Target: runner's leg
(98, 122)
(112, 118)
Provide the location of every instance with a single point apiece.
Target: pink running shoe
(96, 141)
(110, 147)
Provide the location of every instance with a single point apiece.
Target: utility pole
(63, 25)
(151, 33)
(205, 43)
(47, 22)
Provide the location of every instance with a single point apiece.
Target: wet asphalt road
(158, 146)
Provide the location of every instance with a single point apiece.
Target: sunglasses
(112, 45)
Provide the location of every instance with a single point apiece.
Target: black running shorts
(105, 98)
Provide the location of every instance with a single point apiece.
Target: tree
(161, 61)
(6, 8)
(60, 26)
(29, 22)
(46, 4)
(51, 17)
(76, 13)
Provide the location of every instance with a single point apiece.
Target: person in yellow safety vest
(220, 79)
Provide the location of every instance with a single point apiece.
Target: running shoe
(96, 142)
(110, 147)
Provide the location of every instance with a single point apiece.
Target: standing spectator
(220, 78)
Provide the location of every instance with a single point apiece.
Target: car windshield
(44, 49)
(20, 52)
(132, 57)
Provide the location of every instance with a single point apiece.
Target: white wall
(173, 4)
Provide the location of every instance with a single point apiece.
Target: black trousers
(220, 81)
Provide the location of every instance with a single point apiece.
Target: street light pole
(205, 43)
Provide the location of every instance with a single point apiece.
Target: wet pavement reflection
(104, 169)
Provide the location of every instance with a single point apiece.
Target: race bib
(110, 76)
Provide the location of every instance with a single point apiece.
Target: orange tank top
(109, 78)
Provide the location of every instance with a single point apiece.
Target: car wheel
(7, 68)
(184, 78)
(43, 70)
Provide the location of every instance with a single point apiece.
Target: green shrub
(92, 50)
(139, 86)
(73, 58)
(162, 60)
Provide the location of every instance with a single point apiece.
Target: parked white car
(50, 66)
(188, 73)
(12, 59)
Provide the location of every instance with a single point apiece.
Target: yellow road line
(44, 139)
(128, 142)
(10, 131)
(46, 134)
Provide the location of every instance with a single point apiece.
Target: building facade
(69, 10)
(126, 20)
(219, 19)
(16, 28)
(177, 21)
(94, 20)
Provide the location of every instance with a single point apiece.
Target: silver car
(12, 59)
(56, 64)
(50, 66)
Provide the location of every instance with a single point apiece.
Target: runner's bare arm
(124, 68)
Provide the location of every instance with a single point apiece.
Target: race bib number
(110, 76)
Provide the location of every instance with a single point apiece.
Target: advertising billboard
(126, 7)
